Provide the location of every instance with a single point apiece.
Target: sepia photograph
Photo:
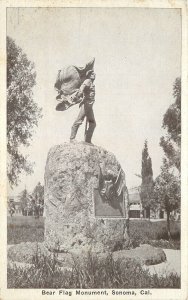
(94, 151)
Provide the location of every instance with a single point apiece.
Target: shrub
(142, 231)
(165, 244)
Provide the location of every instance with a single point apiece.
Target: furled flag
(67, 84)
(110, 187)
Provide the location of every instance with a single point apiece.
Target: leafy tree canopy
(172, 123)
(22, 112)
(167, 188)
(167, 191)
(24, 198)
(38, 193)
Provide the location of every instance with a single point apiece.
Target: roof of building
(135, 207)
(134, 198)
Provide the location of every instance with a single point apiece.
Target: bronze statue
(76, 85)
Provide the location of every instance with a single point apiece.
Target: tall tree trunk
(168, 224)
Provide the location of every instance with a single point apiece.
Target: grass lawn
(28, 229)
(24, 229)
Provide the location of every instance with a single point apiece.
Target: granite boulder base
(75, 216)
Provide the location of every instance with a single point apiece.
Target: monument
(84, 209)
(85, 195)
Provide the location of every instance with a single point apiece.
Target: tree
(22, 112)
(171, 143)
(167, 192)
(24, 201)
(147, 180)
(38, 197)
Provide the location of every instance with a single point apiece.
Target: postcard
(93, 150)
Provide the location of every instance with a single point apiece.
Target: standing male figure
(87, 91)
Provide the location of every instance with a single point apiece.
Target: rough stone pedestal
(71, 219)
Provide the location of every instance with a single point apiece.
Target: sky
(137, 58)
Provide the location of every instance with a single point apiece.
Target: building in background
(14, 206)
(136, 210)
(135, 205)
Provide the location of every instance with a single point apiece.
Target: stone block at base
(71, 176)
(24, 252)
